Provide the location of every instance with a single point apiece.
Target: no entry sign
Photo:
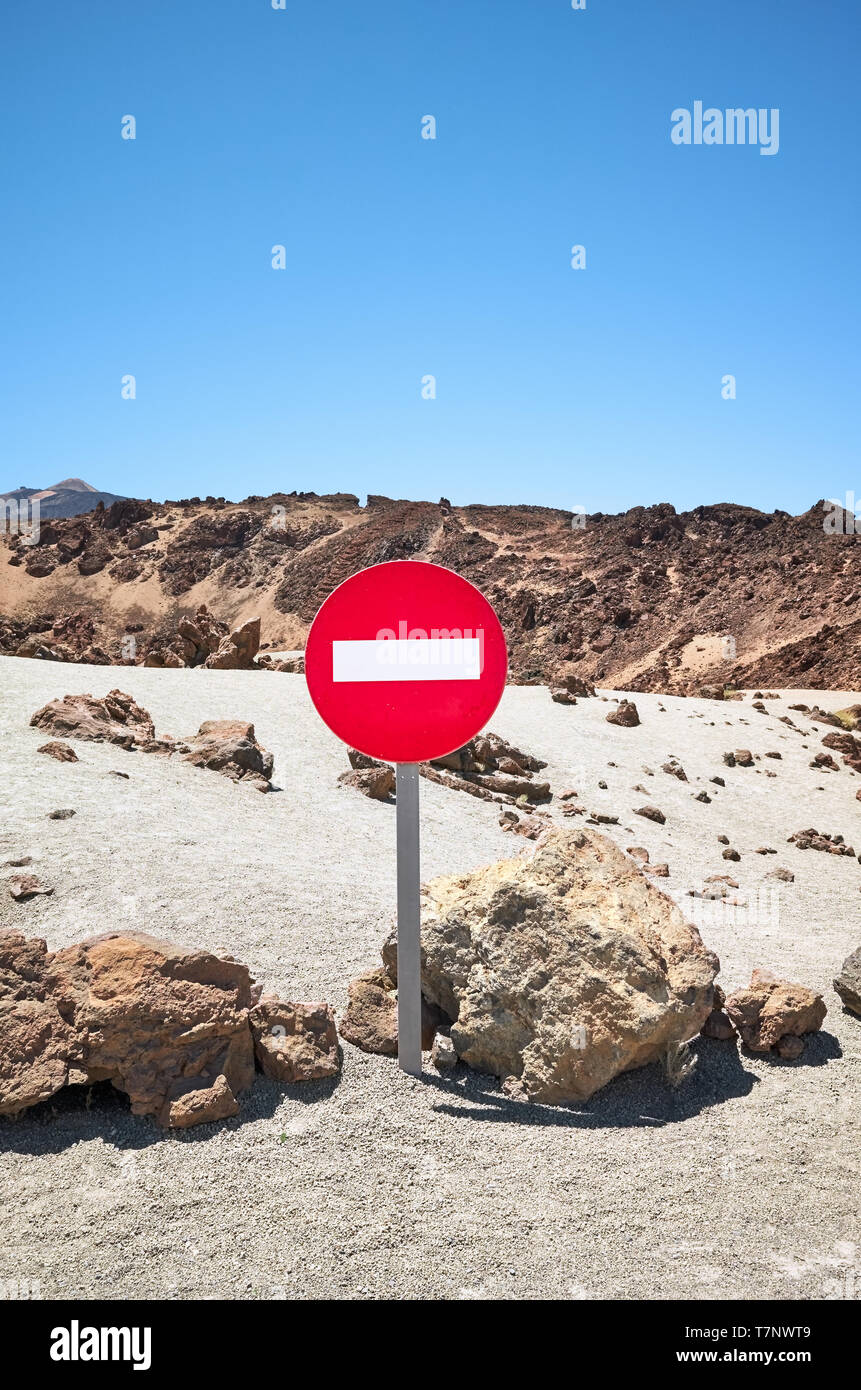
(406, 661)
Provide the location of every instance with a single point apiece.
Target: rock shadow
(640, 1099)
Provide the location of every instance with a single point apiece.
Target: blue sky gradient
(598, 388)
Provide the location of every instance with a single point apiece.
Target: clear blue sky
(405, 257)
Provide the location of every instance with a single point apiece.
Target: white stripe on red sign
(407, 659)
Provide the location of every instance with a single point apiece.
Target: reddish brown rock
(771, 1009)
(237, 651)
(847, 745)
(651, 813)
(230, 746)
(718, 1024)
(371, 1018)
(40, 1048)
(22, 887)
(63, 752)
(171, 1027)
(369, 776)
(492, 769)
(115, 719)
(565, 687)
(528, 826)
(820, 840)
(823, 762)
(626, 715)
(294, 1042)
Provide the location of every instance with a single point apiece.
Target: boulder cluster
(228, 746)
(207, 641)
(486, 767)
(177, 1030)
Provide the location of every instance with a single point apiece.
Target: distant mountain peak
(71, 497)
(72, 485)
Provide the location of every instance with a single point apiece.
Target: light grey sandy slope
(744, 1183)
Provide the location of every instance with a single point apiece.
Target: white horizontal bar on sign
(407, 659)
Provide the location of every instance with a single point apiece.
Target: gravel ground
(744, 1183)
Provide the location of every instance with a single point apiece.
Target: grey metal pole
(409, 930)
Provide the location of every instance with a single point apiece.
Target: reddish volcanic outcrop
(651, 599)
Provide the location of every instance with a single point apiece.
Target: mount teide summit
(649, 599)
(70, 497)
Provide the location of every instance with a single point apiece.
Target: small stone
(651, 813)
(718, 1026)
(64, 813)
(443, 1055)
(63, 752)
(26, 886)
(625, 714)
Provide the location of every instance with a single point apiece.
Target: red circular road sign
(406, 661)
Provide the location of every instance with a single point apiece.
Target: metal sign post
(409, 920)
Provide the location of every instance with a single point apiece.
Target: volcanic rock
(294, 1042)
(848, 982)
(443, 1055)
(770, 1009)
(369, 776)
(229, 746)
(168, 1026)
(625, 714)
(489, 767)
(115, 719)
(371, 1018)
(63, 752)
(814, 839)
(718, 1024)
(25, 886)
(562, 969)
(377, 782)
(565, 687)
(238, 650)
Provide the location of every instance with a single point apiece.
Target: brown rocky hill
(644, 600)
